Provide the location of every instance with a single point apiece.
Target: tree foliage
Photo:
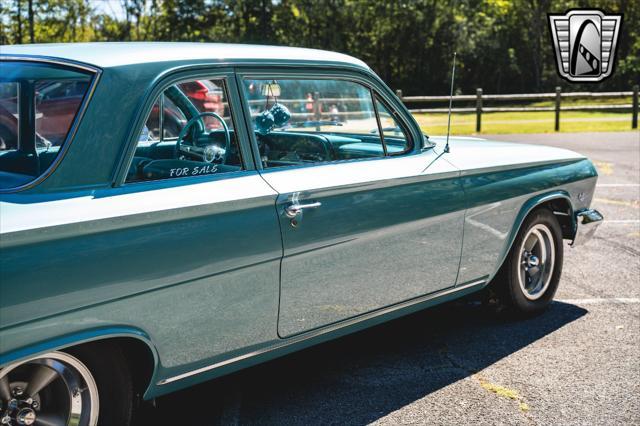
(503, 46)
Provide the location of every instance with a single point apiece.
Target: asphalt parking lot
(578, 363)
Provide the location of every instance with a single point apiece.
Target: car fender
(527, 208)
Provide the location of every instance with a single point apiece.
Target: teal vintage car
(174, 212)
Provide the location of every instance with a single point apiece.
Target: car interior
(188, 141)
(283, 140)
(185, 148)
(338, 123)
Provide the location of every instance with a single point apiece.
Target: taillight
(196, 90)
(200, 95)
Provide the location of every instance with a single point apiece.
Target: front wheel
(529, 277)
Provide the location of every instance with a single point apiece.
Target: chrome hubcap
(537, 259)
(51, 389)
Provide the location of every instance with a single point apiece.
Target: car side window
(305, 121)
(189, 132)
(39, 106)
(395, 136)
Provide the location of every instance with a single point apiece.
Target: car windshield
(38, 105)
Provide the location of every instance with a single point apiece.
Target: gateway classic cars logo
(585, 43)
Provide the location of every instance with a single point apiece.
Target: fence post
(399, 94)
(478, 109)
(634, 111)
(558, 97)
(316, 109)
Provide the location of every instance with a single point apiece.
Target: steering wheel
(185, 130)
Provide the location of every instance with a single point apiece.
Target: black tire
(517, 291)
(113, 378)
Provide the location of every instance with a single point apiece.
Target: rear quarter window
(39, 103)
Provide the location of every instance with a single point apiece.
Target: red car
(60, 100)
(206, 96)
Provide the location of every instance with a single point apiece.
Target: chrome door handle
(294, 209)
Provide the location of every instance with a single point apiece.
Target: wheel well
(138, 356)
(141, 362)
(563, 211)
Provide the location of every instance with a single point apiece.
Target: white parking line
(613, 185)
(622, 221)
(600, 301)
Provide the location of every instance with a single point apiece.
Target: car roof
(110, 54)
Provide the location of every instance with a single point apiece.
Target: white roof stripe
(106, 55)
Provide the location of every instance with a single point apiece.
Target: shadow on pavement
(360, 378)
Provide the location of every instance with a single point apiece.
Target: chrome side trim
(50, 60)
(587, 221)
(64, 147)
(325, 330)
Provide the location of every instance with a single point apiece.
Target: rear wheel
(83, 387)
(530, 275)
(51, 389)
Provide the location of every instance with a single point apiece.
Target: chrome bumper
(587, 221)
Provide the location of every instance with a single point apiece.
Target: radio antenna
(453, 75)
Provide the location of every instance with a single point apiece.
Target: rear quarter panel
(193, 268)
(502, 184)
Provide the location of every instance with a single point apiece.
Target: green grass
(584, 101)
(525, 122)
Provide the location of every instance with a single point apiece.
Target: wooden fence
(479, 97)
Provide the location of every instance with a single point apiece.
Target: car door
(364, 224)
(186, 248)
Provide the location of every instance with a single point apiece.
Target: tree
(19, 20)
(503, 45)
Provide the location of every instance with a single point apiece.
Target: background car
(206, 96)
(56, 104)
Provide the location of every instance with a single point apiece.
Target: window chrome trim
(51, 60)
(64, 147)
(373, 95)
(160, 116)
(244, 72)
(374, 98)
(327, 329)
(394, 116)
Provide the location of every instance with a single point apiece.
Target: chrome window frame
(314, 72)
(394, 115)
(372, 95)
